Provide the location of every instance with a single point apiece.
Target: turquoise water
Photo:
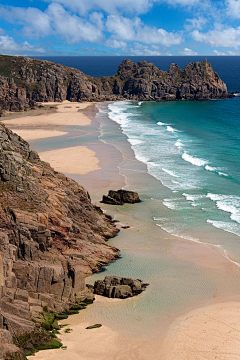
(193, 149)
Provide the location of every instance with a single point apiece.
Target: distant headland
(26, 81)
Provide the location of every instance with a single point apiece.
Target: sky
(120, 27)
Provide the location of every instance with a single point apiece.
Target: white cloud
(188, 52)
(140, 49)
(195, 23)
(233, 8)
(220, 53)
(55, 21)
(116, 44)
(127, 29)
(183, 2)
(109, 6)
(9, 46)
(71, 27)
(229, 37)
(35, 21)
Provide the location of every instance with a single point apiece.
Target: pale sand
(35, 134)
(73, 160)
(94, 344)
(211, 333)
(66, 114)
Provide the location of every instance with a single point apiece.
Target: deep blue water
(228, 67)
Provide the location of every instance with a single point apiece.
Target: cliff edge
(51, 237)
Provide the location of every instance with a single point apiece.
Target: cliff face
(23, 82)
(51, 237)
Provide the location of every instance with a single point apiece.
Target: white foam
(191, 197)
(210, 168)
(193, 160)
(179, 144)
(169, 172)
(227, 203)
(135, 141)
(170, 205)
(222, 174)
(174, 233)
(140, 103)
(170, 129)
(161, 123)
(216, 170)
(226, 226)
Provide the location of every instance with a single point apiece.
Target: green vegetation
(68, 331)
(94, 326)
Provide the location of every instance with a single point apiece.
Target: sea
(192, 148)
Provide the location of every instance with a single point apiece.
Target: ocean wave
(135, 141)
(193, 160)
(191, 197)
(170, 129)
(215, 170)
(173, 232)
(179, 144)
(161, 123)
(170, 205)
(140, 103)
(227, 203)
(169, 172)
(226, 226)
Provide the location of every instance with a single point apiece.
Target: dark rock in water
(120, 197)
(118, 287)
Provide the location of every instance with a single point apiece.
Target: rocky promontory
(26, 81)
(51, 238)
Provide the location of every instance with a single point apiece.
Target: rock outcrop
(118, 287)
(51, 238)
(120, 197)
(25, 81)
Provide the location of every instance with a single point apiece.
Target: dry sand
(73, 160)
(66, 114)
(35, 134)
(211, 333)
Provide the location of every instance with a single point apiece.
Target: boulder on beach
(120, 197)
(118, 287)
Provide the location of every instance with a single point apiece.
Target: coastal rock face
(51, 237)
(120, 197)
(144, 81)
(24, 81)
(118, 287)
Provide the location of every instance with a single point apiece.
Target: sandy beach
(73, 160)
(211, 332)
(201, 332)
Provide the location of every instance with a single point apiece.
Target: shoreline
(185, 250)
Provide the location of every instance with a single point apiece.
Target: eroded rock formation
(51, 237)
(120, 197)
(24, 81)
(118, 287)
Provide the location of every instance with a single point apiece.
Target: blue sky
(120, 27)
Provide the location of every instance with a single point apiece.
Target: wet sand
(73, 160)
(191, 308)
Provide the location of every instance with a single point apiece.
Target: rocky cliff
(24, 81)
(51, 237)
